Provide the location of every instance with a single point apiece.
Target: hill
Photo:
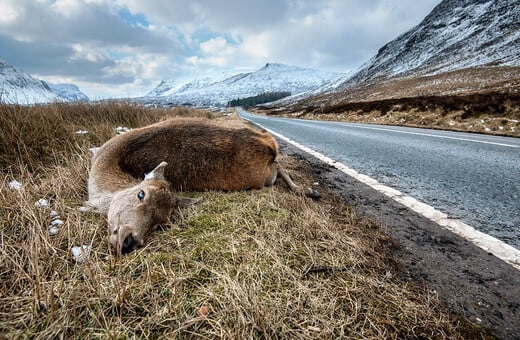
(69, 92)
(463, 50)
(457, 34)
(18, 87)
(218, 92)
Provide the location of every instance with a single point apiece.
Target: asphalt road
(474, 178)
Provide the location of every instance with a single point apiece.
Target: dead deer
(134, 175)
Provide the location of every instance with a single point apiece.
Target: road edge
(490, 244)
(470, 282)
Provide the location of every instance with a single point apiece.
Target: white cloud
(88, 41)
(213, 46)
(10, 11)
(215, 52)
(259, 46)
(223, 16)
(88, 53)
(67, 7)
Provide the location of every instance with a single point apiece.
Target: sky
(124, 48)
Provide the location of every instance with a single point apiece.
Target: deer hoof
(315, 195)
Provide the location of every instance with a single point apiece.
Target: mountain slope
(18, 87)
(456, 34)
(459, 69)
(163, 88)
(270, 78)
(69, 92)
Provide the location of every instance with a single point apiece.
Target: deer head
(137, 211)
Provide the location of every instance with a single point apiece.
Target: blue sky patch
(133, 19)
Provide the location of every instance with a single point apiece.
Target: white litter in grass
(15, 185)
(42, 203)
(84, 209)
(314, 329)
(121, 129)
(94, 150)
(81, 132)
(80, 254)
(57, 222)
(501, 127)
(487, 129)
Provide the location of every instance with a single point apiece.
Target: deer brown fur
(180, 154)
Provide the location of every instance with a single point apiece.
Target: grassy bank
(253, 264)
(482, 99)
(490, 113)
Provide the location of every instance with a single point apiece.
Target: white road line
(435, 136)
(494, 246)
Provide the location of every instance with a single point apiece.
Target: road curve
(474, 178)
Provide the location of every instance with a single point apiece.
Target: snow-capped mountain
(18, 87)
(69, 92)
(164, 88)
(270, 78)
(456, 34)
(172, 87)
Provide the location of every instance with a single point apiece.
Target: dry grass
(253, 264)
(506, 123)
(479, 99)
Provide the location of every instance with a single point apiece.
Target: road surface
(474, 178)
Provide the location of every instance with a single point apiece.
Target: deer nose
(128, 245)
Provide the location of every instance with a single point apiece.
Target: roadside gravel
(469, 281)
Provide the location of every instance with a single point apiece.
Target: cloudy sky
(121, 48)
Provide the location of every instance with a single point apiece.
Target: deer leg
(309, 192)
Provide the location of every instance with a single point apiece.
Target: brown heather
(478, 99)
(251, 264)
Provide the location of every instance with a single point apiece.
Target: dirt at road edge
(469, 281)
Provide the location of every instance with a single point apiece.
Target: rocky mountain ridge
(272, 77)
(457, 34)
(18, 87)
(69, 92)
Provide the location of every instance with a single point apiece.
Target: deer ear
(157, 173)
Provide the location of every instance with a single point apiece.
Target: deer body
(180, 154)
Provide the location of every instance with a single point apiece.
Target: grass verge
(250, 264)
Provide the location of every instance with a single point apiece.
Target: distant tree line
(259, 99)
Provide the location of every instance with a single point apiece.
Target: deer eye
(140, 195)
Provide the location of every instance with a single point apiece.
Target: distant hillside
(69, 92)
(457, 34)
(459, 69)
(18, 87)
(211, 92)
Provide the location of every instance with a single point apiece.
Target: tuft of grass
(250, 264)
